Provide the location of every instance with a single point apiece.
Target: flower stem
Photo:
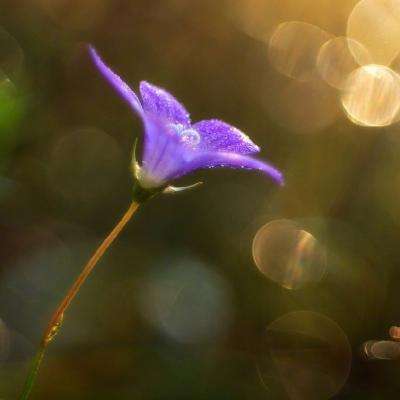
(56, 320)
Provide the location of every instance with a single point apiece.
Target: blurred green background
(177, 309)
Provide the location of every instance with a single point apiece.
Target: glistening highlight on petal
(231, 160)
(160, 103)
(173, 147)
(217, 135)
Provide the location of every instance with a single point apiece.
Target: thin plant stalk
(57, 317)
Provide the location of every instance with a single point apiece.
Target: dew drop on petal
(176, 128)
(288, 255)
(372, 96)
(190, 137)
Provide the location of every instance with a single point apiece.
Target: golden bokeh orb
(372, 96)
(336, 61)
(288, 255)
(375, 24)
(294, 47)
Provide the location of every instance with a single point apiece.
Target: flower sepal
(177, 189)
(141, 189)
(142, 193)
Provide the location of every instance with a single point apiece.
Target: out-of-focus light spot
(288, 255)
(294, 47)
(11, 55)
(85, 165)
(375, 24)
(288, 108)
(75, 14)
(381, 350)
(336, 62)
(4, 341)
(372, 96)
(310, 353)
(394, 332)
(187, 301)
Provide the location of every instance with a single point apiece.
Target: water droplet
(190, 137)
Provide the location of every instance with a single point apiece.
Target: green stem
(30, 380)
(57, 318)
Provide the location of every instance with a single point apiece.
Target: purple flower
(173, 146)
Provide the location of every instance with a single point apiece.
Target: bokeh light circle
(372, 96)
(293, 49)
(336, 62)
(311, 355)
(186, 300)
(288, 255)
(375, 24)
(381, 350)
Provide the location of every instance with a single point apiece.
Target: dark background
(65, 143)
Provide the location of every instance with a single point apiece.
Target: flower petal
(164, 153)
(162, 104)
(229, 160)
(116, 82)
(217, 135)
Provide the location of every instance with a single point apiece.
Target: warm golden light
(288, 255)
(294, 47)
(336, 62)
(372, 96)
(375, 24)
(289, 109)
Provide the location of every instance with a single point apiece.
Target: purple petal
(219, 136)
(116, 82)
(160, 103)
(229, 160)
(164, 155)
